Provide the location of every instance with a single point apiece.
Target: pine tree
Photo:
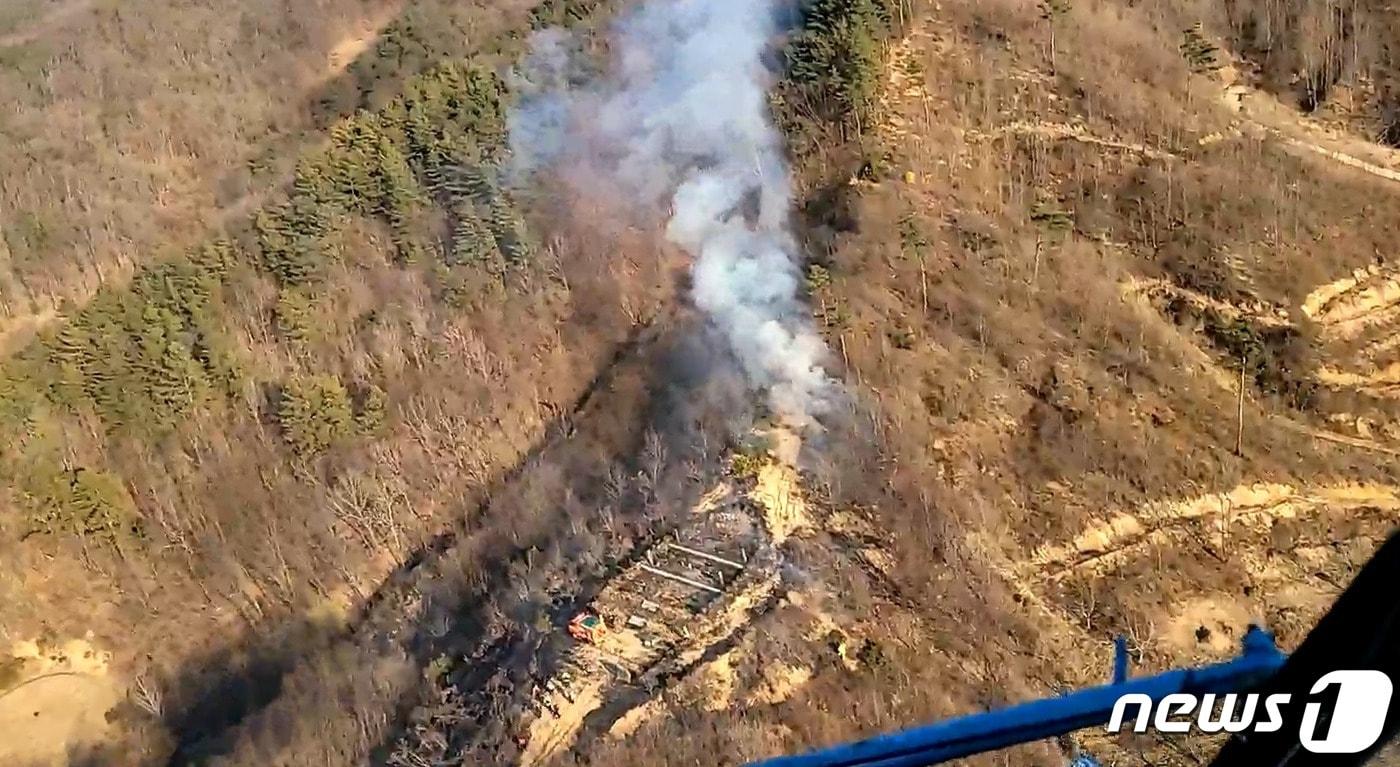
(296, 315)
(369, 414)
(1056, 221)
(290, 239)
(352, 158)
(1198, 51)
(426, 146)
(170, 375)
(554, 13)
(512, 236)
(82, 502)
(836, 56)
(315, 413)
(473, 183)
(108, 374)
(98, 505)
(70, 350)
(216, 259)
(472, 241)
(219, 357)
(1048, 214)
(314, 181)
(912, 240)
(476, 102)
(397, 188)
(178, 381)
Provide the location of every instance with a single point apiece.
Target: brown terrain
(1111, 288)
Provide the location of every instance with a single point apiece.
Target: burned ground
(1043, 264)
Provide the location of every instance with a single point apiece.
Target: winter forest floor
(1054, 262)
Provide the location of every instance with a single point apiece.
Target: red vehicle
(587, 627)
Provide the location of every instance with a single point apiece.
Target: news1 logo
(1344, 713)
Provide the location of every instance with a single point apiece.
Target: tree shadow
(214, 695)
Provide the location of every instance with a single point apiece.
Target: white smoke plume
(680, 122)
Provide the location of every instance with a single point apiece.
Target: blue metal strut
(1040, 719)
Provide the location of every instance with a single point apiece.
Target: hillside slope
(1047, 270)
(325, 482)
(133, 128)
(225, 461)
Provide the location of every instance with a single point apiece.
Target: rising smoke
(680, 123)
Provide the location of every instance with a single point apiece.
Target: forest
(320, 422)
